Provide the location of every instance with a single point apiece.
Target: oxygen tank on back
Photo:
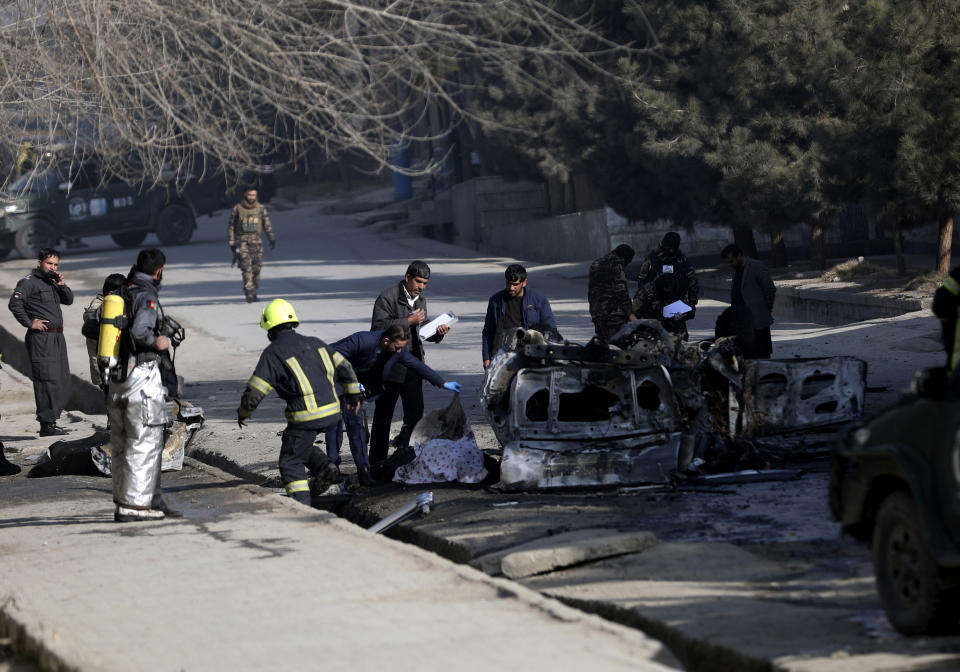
(108, 347)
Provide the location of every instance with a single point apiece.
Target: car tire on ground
(175, 225)
(33, 236)
(129, 238)
(908, 579)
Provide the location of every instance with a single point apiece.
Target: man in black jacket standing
(36, 305)
(752, 294)
(404, 304)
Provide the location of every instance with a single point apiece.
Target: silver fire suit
(136, 406)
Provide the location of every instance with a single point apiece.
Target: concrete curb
(84, 395)
(825, 306)
(36, 643)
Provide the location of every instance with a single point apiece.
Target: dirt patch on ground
(876, 275)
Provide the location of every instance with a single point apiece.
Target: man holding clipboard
(402, 303)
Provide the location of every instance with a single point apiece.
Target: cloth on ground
(444, 460)
(445, 449)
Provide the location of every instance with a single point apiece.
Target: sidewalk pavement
(249, 580)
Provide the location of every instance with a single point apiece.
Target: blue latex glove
(453, 387)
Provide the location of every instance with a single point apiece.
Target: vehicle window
(35, 181)
(84, 176)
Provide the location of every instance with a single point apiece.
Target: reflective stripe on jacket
(304, 371)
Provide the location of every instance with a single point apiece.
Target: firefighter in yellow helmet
(303, 370)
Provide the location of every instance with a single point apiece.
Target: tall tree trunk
(945, 245)
(818, 246)
(898, 248)
(778, 251)
(743, 238)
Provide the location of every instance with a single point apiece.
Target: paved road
(332, 269)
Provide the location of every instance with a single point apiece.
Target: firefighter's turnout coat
(304, 371)
(136, 405)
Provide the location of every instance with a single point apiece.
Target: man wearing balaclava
(667, 277)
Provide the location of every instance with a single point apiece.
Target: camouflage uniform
(666, 276)
(608, 295)
(245, 232)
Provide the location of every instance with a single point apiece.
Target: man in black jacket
(752, 294)
(36, 305)
(402, 303)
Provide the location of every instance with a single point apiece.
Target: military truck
(895, 483)
(72, 200)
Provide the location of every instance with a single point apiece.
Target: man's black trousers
(298, 456)
(50, 372)
(410, 392)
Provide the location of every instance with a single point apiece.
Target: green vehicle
(895, 483)
(71, 201)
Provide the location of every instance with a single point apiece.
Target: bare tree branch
(152, 84)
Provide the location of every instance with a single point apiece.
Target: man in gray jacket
(754, 292)
(403, 304)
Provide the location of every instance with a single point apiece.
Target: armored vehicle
(71, 200)
(895, 483)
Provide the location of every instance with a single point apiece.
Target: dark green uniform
(608, 295)
(665, 277)
(248, 223)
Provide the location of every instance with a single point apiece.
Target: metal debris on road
(420, 505)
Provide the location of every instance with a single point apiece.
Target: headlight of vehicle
(15, 207)
(861, 436)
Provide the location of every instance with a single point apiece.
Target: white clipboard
(430, 328)
(676, 308)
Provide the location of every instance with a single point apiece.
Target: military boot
(51, 429)
(251, 297)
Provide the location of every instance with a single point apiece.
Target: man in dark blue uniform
(36, 305)
(302, 369)
(373, 354)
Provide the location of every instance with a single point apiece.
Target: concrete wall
(490, 214)
(575, 237)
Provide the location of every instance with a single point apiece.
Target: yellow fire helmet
(277, 312)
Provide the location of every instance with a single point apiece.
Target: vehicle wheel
(175, 225)
(908, 579)
(129, 238)
(35, 235)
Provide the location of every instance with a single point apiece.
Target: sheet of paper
(676, 308)
(430, 328)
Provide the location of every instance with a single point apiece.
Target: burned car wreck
(649, 407)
